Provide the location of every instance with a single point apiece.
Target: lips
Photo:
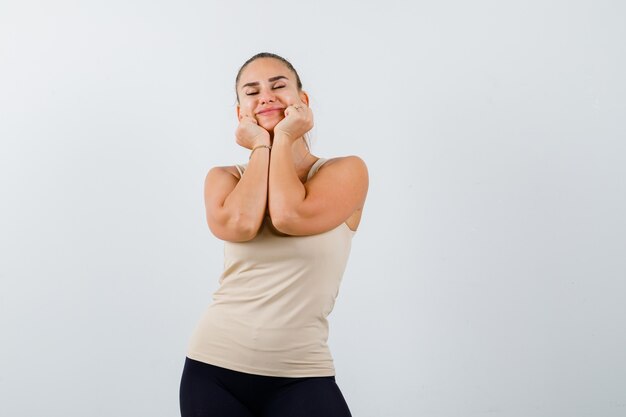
(270, 111)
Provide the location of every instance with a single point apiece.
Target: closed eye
(253, 93)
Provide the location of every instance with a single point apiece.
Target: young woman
(287, 218)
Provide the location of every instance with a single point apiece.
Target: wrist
(260, 140)
(257, 147)
(282, 138)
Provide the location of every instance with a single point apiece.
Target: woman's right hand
(249, 134)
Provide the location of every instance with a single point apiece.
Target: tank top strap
(315, 167)
(241, 168)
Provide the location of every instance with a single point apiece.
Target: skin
(274, 182)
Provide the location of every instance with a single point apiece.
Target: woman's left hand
(298, 120)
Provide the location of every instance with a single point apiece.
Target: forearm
(247, 202)
(286, 191)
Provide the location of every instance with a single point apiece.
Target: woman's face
(266, 87)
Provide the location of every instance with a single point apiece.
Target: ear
(238, 112)
(304, 97)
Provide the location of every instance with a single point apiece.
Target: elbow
(283, 221)
(244, 234)
(236, 229)
(244, 228)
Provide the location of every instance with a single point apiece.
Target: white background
(488, 274)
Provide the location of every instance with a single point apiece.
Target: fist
(298, 120)
(249, 134)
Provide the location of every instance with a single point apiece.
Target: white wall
(488, 275)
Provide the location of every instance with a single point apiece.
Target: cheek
(292, 97)
(245, 108)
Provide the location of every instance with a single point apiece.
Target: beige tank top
(269, 314)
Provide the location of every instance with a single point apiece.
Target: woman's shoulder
(227, 170)
(349, 162)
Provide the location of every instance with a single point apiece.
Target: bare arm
(235, 206)
(319, 205)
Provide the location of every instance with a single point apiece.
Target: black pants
(211, 391)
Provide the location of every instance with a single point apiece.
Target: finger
(292, 108)
(249, 118)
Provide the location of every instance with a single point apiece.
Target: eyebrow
(256, 83)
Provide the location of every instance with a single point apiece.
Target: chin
(269, 127)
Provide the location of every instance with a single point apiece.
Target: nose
(266, 96)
